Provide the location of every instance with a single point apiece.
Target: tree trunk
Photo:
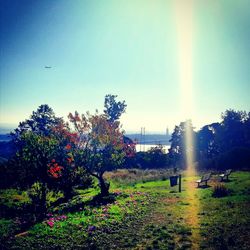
(42, 208)
(104, 186)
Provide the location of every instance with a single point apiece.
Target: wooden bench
(205, 178)
(225, 175)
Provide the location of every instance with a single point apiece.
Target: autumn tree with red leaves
(100, 145)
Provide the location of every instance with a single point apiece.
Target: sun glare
(184, 23)
(185, 31)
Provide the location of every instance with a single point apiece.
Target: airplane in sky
(47, 67)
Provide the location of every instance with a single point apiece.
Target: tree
(206, 142)
(72, 174)
(43, 155)
(41, 122)
(32, 164)
(247, 131)
(179, 146)
(226, 144)
(176, 149)
(100, 147)
(112, 108)
(36, 145)
(232, 133)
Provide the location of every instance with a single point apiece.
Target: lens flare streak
(184, 25)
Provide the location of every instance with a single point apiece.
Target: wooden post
(180, 183)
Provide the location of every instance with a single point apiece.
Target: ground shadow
(77, 204)
(226, 180)
(204, 186)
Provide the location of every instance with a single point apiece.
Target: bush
(155, 158)
(220, 190)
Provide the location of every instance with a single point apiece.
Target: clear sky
(161, 57)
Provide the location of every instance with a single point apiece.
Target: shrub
(220, 190)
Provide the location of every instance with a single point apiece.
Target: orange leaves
(54, 170)
(80, 123)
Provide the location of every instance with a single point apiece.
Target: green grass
(13, 197)
(226, 220)
(141, 215)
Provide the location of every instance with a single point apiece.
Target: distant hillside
(5, 137)
(7, 149)
(150, 138)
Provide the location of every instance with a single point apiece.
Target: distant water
(144, 148)
(139, 147)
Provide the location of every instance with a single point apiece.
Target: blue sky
(130, 48)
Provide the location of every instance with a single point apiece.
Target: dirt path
(192, 213)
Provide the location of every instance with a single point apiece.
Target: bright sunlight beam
(184, 23)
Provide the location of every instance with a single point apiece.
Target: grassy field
(139, 214)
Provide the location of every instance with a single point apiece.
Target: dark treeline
(216, 145)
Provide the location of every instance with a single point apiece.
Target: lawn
(138, 215)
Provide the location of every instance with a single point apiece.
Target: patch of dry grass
(133, 176)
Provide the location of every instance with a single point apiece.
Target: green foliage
(214, 142)
(232, 134)
(179, 146)
(34, 153)
(236, 158)
(35, 192)
(44, 160)
(43, 154)
(112, 108)
(13, 198)
(41, 122)
(152, 159)
(206, 141)
(38, 196)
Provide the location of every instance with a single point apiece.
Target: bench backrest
(206, 177)
(228, 172)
